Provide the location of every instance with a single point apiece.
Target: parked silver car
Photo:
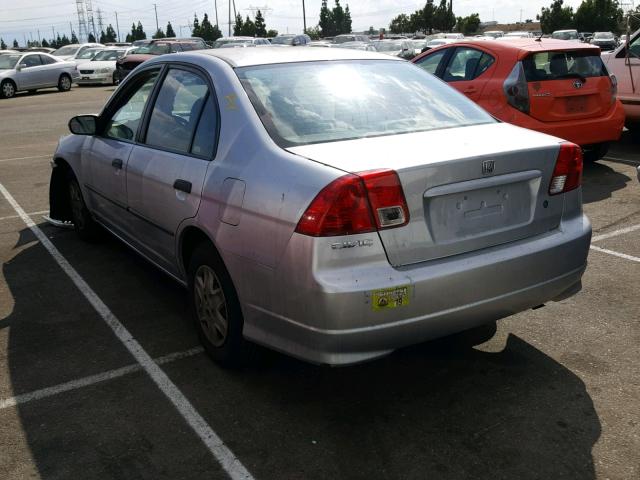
(332, 204)
(32, 71)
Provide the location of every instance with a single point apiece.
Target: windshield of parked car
(64, 51)
(107, 55)
(603, 36)
(344, 38)
(154, 49)
(558, 65)
(388, 45)
(8, 61)
(87, 54)
(565, 35)
(283, 40)
(317, 102)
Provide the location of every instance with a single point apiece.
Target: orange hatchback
(552, 86)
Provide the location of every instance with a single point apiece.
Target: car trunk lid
(464, 193)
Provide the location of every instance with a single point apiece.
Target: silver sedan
(331, 204)
(32, 71)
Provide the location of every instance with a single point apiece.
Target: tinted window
(430, 63)
(31, 61)
(557, 65)
(124, 123)
(316, 102)
(206, 135)
(46, 60)
(466, 64)
(176, 111)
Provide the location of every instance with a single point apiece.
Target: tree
(400, 24)
(140, 34)
(109, 35)
(15, 43)
(429, 13)
(207, 31)
(444, 19)
(326, 21)
(44, 43)
(272, 33)
(261, 28)
(371, 31)
(237, 27)
(195, 32)
(3, 46)
(338, 18)
(346, 26)
(468, 25)
(598, 16)
(314, 33)
(74, 39)
(65, 40)
(159, 34)
(91, 38)
(248, 28)
(556, 17)
(170, 32)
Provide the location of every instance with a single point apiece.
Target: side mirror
(84, 125)
(21, 66)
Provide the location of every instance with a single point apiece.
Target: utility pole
(39, 42)
(70, 30)
(229, 17)
(304, 19)
(117, 26)
(215, 4)
(54, 33)
(155, 7)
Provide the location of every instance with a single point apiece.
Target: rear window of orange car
(558, 65)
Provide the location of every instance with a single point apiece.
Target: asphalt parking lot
(554, 393)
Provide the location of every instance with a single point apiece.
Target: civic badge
(578, 84)
(488, 167)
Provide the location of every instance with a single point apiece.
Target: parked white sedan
(32, 71)
(101, 69)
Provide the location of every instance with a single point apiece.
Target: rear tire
(215, 308)
(7, 89)
(83, 223)
(64, 83)
(634, 130)
(593, 153)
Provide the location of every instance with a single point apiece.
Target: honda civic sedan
(331, 204)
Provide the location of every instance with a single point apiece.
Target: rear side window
(467, 64)
(204, 141)
(430, 63)
(543, 66)
(46, 60)
(176, 112)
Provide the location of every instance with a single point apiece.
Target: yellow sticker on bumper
(390, 297)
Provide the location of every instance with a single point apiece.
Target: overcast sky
(25, 17)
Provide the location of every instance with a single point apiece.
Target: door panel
(32, 74)
(468, 71)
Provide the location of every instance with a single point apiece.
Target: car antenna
(539, 39)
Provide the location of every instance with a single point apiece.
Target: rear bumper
(607, 128)
(329, 318)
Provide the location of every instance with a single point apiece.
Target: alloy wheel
(211, 306)
(8, 90)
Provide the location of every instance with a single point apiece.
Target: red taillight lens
(567, 174)
(354, 204)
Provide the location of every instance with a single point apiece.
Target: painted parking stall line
(92, 379)
(616, 254)
(228, 461)
(615, 233)
(14, 159)
(12, 217)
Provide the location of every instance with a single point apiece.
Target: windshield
(8, 61)
(388, 46)
(154, 49)
(106, 55)
(344, 38)
(558, 65)
(219, 43)
(603, 36)
(283, 40)
(68, 50)
(317, 102)
(87, 54)
(571, 35)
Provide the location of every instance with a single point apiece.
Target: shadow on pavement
(599, 181)
(441, 410)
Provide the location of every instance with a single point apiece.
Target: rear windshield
(558, 65)
(317, 102)
(566, 35)
(66, 51)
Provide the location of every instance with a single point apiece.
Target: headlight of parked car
(103, 70)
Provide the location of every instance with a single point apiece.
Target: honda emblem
(488, 166)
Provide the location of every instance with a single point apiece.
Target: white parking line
(228, 461)
(91, 380)
(11, 217)
(2, 160)
(615, 233)
(616, 254)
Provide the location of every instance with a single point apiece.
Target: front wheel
(215, 308)
(7, 89)
(83, 223)
(64, 83)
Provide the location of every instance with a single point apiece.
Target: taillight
(516, 89)
(567, 173)
(354, 204)
(614, 88)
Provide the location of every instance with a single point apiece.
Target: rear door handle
(470, 90)
(182, 185)
(117, 163)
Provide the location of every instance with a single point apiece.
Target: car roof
(530, 45)
(245, 57)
